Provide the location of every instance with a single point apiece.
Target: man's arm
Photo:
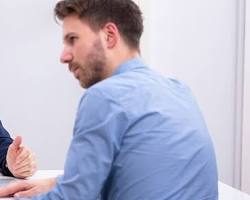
(98, 132)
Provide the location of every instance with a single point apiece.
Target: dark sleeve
(5, 141)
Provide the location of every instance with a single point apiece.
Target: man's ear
(111, 34)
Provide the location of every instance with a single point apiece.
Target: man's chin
(87, 83)
(83, 85)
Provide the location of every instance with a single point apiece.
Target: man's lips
(74, 70)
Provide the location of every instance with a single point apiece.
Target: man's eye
(71, 40)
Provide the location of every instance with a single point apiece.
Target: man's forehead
(73, 24)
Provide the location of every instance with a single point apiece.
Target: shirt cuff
(5, 170)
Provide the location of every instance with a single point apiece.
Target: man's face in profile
(83, 51)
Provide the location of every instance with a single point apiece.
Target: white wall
(38, 95)
(246, 124)
(196, 41)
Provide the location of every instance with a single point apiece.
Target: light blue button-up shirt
(138, 136)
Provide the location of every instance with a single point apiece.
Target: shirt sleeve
(5, 141)
(98, 131)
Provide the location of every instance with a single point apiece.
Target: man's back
(138, 136)
(165, 151)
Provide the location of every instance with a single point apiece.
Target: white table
(225, 191)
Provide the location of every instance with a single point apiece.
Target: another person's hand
(27, 188)
(20, 160)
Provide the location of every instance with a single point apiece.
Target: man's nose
(66, 57)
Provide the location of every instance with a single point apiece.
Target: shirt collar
(129, 65)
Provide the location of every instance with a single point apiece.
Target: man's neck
(120, 58)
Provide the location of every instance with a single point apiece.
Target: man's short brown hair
(125, 14)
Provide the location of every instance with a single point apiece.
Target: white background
(39, 96)
(195, 41)
(246, 122)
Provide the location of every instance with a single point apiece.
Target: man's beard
(93, 69)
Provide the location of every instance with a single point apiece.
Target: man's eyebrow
(66, 37)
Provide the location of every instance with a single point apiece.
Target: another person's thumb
(16, 143)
